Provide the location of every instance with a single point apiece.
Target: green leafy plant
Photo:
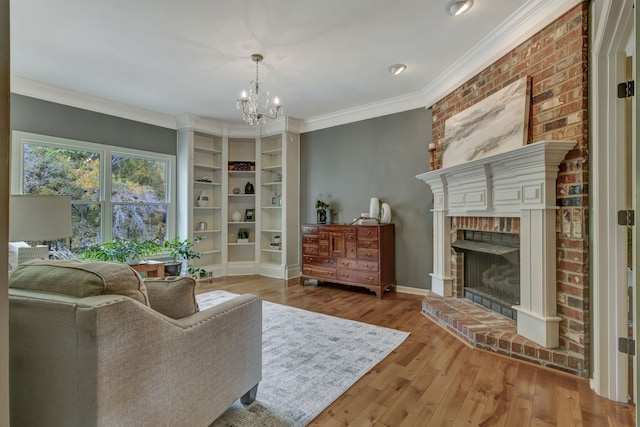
(243, 233)
(120, 250)
(321, 203)
(182, 251)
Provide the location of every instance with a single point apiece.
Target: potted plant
(322, 205)
(181, 252)
(243, 235)
(276, 239)
(119, 250)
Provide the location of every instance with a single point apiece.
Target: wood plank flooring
(433, 379)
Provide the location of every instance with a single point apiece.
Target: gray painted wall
(48, 118)
(380, 158)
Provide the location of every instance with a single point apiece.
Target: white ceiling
(323, 59)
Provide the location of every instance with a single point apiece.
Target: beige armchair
(81, 355)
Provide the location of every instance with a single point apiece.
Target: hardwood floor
(433, 379)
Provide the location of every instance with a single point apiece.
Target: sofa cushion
(79, 279)
(172, 296)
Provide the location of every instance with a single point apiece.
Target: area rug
(308, 361)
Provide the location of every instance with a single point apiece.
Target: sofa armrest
(205, 362)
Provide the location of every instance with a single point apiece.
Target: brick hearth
(487, 330)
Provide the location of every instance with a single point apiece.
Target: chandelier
(250, 104)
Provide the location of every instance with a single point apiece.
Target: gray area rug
(309, 360)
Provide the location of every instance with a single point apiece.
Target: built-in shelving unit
(207, 215)
(218, 162)
(241, 199)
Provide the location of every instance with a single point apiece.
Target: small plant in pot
(181, 251)
(119, 250)
(243, 235)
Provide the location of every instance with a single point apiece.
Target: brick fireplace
(556, 61)
(517, 184)
(511, 193)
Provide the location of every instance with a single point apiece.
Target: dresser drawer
(312, 270)
(310, 250)
(350, 237)
(364, 253)
(309, 229)
(318, 261)
(352, 249)
(308, 239)
(368, 243)
(324, 235)
(368, 232)
(324, 248)
(357, 264)
(348, 275)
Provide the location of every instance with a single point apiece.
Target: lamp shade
(36, 217)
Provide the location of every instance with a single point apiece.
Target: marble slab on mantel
(500, 185)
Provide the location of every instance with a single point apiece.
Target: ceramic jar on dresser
(355, 255)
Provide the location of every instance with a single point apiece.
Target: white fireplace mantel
(519, 183)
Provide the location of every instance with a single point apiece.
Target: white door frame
(613, 22)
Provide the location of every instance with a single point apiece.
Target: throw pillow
(79, 279)
(13, 253)
(172, 296)
(62, 254)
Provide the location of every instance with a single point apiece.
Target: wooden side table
(150, 268)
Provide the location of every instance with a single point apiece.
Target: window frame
(19, 139)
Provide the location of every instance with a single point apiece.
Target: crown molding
(519, 27)
(59, 95)
(364, 112)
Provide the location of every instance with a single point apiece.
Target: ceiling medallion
(250, 103)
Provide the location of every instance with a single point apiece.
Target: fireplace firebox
(491, 267)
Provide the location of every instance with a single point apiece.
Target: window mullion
(105, 196)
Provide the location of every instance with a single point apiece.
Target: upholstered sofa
(87, 349)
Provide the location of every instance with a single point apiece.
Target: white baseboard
(410, 290)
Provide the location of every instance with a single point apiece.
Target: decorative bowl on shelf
(203, 202)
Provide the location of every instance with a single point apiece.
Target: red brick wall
(556, 61)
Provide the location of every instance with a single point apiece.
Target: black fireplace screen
(491, 271)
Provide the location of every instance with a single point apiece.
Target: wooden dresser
(356, 255)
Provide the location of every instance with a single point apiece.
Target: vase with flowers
(322, 207)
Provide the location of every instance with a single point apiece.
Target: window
(116, 192)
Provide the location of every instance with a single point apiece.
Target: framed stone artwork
(494, 125)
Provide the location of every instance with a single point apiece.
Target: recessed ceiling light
(458, 7)
(397, 69)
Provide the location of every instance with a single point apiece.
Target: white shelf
(215, 251)
(205, 208)
(241, 222)
(273, 152)
(241, 173)
(207, 150)
(205, 166)
(213, 184)
(271, 167)
(241, 244)
(241, 195)
(269, 184)
(206, 231)
(277, 251)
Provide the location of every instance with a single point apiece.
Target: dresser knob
(370, 279)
